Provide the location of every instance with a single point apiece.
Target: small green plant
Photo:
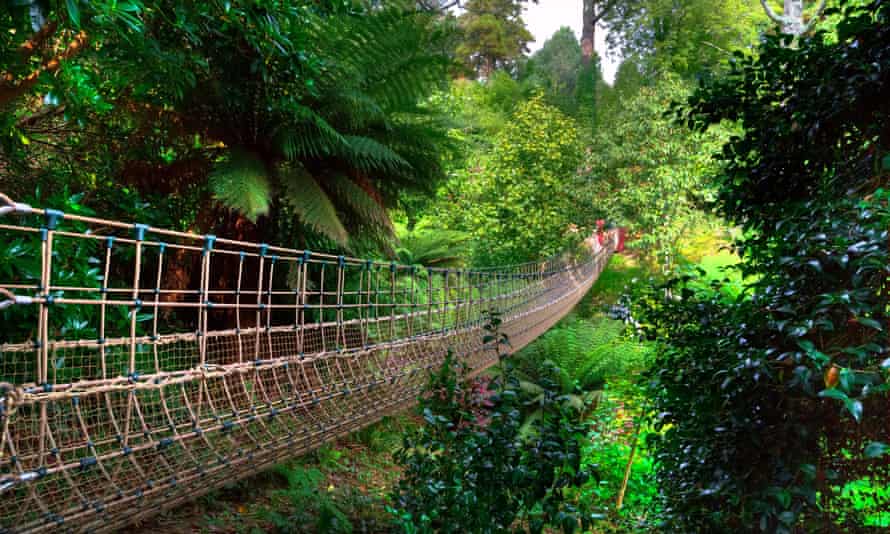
(305, 504)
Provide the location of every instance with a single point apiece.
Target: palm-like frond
(309, 135)
(353, 107)
(240, 181)
(358, 200)
(369, 155)
(303, 194)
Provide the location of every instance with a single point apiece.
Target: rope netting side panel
(142, 367)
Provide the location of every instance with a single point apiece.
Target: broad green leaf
(74, 12)
(833, 394)
(876, 449)
(871, 323)
(813, 352)
(311, 203)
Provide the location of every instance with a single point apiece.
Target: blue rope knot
(86, 463)
(209, 240)
(52, 218)
(139, 230)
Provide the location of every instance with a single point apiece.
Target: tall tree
(594, 11)
(555, 68)
(791, 19)
(494, 35)
(645, 172)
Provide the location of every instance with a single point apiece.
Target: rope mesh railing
(142, 367)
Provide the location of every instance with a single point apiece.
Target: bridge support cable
(142, 367)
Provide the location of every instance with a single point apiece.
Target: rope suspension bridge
(125, 390)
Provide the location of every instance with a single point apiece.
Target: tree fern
(309, 135)
(360, 118)
(431, 247)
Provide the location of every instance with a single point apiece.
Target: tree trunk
(35, 13)
(794, 13)
(588, 31)
(486, 68)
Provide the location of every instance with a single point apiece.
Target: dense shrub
(769, 405)
(521, 201)
(478, 465)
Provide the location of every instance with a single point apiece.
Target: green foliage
(306, 114)
(312, 204)
(621, 272)
(430, 246)
(474, 468)
(719, 362)
(613, 431)
(648, 174)
(75, 264)
(521, 202)
(241, 182)
(836, 141)
(555, 66)
(864, 502)
(692, 39)
(558, 71)
(307, 505)
(584, 353)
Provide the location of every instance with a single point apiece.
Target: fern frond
(370, 155)
(310, 202)
(240, 181)
(353, 107)
(310, 136)
(370, 210)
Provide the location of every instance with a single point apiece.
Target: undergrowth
(586, 352)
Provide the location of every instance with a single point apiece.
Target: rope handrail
(142, 367)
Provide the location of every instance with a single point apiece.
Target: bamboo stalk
(630, 460)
